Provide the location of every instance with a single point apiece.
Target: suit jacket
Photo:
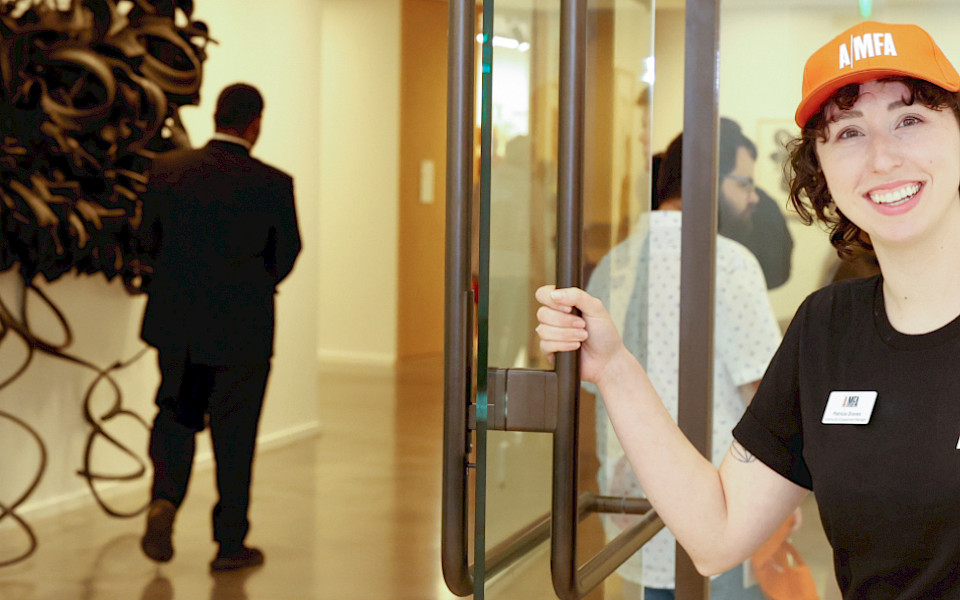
(220, 230)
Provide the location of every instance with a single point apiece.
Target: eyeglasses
(745, 183)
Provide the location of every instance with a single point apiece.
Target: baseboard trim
(287, 436)
(338, 359)
(109, 491)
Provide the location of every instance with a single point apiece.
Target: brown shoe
(156, 542)
(246, 557)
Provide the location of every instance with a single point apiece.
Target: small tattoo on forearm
(742, 454)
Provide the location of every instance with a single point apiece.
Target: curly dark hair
(808, 187)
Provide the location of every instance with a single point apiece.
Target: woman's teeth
(895, 196)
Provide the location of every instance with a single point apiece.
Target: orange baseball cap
(870, 51)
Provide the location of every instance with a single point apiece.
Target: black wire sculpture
(90, 94)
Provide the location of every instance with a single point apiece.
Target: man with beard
(747, 213)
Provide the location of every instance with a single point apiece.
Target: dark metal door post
(698, 243)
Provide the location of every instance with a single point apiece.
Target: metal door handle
(571, 581)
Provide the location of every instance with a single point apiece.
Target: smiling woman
(878, 162)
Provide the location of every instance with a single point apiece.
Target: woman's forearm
(718, 527)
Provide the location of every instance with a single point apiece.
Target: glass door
(563, 94)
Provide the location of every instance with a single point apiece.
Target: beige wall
(359, 183)
(423, 105)
(668, 88)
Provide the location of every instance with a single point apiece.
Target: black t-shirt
(888, 490)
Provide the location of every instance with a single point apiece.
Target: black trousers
(229, 398)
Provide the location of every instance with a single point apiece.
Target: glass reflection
(523, 179)
(617, 201)
(519, 478)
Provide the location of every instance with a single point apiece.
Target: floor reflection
(159, 588)
(231, 586)
(350, 514)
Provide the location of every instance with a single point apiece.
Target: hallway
(353, 513)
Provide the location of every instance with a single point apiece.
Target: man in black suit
(220, 232)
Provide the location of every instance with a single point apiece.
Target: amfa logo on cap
(867, 45)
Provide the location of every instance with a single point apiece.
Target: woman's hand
(592, 332)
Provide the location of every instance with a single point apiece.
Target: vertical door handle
(458, 297)
(571, 581)
(458, 330)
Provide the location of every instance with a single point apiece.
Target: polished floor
(352, 513)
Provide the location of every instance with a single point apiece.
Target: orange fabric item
(870, 51)
(781, 571)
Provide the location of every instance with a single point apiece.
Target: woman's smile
(894, 197)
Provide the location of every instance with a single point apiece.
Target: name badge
(849, 408)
